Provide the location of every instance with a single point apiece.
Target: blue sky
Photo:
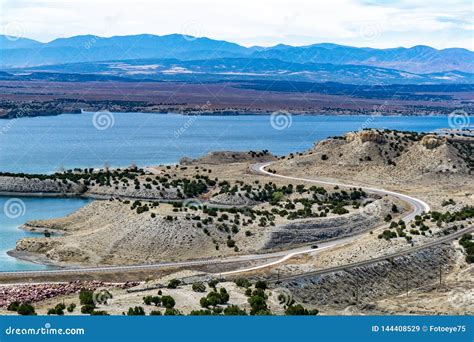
(384, 23)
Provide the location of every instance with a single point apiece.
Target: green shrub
(340, 210)
(172, 312)
(87, 309)
(57, 310)
(99, 313)
(168, 302)
(86, 297)
(215, 298)
(212, 283)
(242, 282)
(174, 283)
(387, 235)
(234, 310)
(13, 306)
(199, 287)
(26, 310)
(136, 311)
(258, 305)
(299, 310)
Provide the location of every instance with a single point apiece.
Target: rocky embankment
(364, 285)
(34, 186)
(29, 186)
(239, 199)
(228, 157)
(129, 191)
(32, 293)
(322, 229)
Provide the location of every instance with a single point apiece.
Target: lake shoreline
(23, 210)
(112, 139)
(34, 258)
(235, 113)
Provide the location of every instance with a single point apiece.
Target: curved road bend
(418, 207)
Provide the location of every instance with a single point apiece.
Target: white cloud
(261, 22)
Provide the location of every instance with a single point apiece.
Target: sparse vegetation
(215, 298)
(468, 245)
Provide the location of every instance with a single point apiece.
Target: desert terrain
(352, 248)
(20, 98)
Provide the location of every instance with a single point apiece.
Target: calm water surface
(44, 144)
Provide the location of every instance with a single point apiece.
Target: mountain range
(180, 57)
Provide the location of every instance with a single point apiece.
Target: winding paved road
(418, 205)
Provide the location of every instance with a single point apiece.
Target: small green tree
(87, 309)
(199, 287)
(234, 310)
(174, 283)
(99, 313)
(13, 306)
(299, 310)
(258, 304)
(242, 282)
(26, 310)
(168, 302)
(86, 297)
(136, 311)
(172, 312)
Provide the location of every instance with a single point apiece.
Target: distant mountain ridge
(90, 48)
(177, 56)
(248, 68)
(418, 59)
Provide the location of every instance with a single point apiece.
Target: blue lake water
(44, 144)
